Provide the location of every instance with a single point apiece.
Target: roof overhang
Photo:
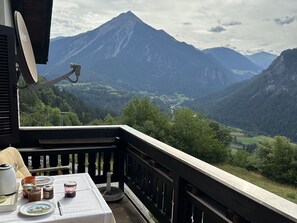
(37, 15)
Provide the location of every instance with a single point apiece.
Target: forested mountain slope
(52, 106)
(267, 103)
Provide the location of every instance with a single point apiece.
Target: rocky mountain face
(129, 54)
(234, 61)
(265, 103)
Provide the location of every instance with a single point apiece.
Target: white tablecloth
(87, 207)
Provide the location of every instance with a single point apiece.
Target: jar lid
(28, 185)
(48, 188)
(70, 184)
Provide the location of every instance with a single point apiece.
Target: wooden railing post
(120, 151)
(179, 200)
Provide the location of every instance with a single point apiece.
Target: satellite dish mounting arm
(75, 69)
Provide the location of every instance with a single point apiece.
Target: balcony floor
(125, 212)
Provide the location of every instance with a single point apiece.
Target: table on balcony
(87, 206)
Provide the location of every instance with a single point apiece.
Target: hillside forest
(189, 131)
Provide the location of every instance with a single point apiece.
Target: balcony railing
(174, 186)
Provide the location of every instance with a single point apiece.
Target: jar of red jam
(70, 189)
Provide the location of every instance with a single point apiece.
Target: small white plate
(43, 180)
(37, 208)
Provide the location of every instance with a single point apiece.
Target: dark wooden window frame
(9, 120)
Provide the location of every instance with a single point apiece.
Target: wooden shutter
(9, 127)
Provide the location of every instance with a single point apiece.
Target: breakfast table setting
(62, 198)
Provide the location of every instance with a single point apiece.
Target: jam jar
(34, 194)
(70, 189)
(26, 188)
(48, 192)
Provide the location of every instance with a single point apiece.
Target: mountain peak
(287, 60)
(234, 61)
(126, 20)
(127, 16)
(262, 59)
(290, 54)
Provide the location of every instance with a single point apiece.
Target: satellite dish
(26, 58)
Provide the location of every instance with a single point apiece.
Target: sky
(247, 26)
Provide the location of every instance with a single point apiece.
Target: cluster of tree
(54, 107)
(101, 98)
(276, 159)
(188, 131)
(43, 108)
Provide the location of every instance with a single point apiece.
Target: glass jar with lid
(70, 189)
